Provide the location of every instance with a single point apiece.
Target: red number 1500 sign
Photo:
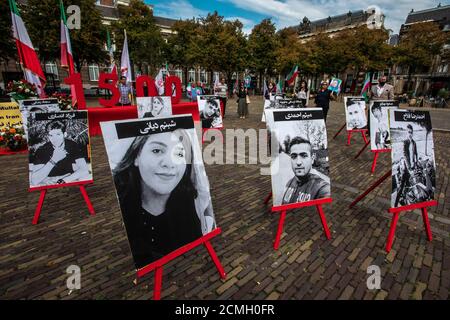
(108, 81)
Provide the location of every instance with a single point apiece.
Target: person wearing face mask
(382, 91)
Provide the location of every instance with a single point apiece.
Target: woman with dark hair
(156, 109)
(157, 195)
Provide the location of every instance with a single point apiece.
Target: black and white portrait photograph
(150, 107)
(210, 112)
(36, 105)
(413, 162)
(355, 113)
(59, 148)
(300, 166)
(161, 184)
(380, 138)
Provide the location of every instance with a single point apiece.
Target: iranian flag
(366, 87)
(112, 67)
(292, 75)
(27, 55)
(125, 64)
(66, 51)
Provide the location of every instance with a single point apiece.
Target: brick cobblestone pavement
(33, 259)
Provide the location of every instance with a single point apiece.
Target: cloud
(178, 9)
(248, 23)
(290, 12)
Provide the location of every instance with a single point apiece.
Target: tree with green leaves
(418, 46)
(262, 45)
(7, 47)
(180, 45)
(145, 42)
(42, 18)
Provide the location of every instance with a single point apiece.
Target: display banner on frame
(300, 166)
(161, 184)
(413, 161)
(355, 113)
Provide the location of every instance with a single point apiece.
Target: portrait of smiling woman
(163, 194)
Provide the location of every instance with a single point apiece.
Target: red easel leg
(363, 148)
(324, 221)
(37, 212)
(374, 163)
(378, 182)
(339, 131)
(158, 283)
(276, 244)
(390, 239)
(266, 201)
(426, 223)
(349, 137)
(363, 133)
(215, 259)
(88, 202)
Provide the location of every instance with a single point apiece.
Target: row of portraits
(160, 179)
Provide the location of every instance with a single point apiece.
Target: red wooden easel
(159, 264)
(376, 153)
(363, 134)
(396, 211)
(43, 189)
(339, 131)
(318, 203)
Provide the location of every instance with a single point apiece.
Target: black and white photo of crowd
(36, 105)
(300, 166)
(151, 107)
(210, 112)
(161, 184)
(355, 113)
(59, 148)
(380, 138)
(413, 161)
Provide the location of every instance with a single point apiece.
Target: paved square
(33, 259)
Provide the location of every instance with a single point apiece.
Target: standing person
(125, 90)
(410, 149)
(382, 91)
(323, 97)
(221, 90)
(302, 93)
(242, 101)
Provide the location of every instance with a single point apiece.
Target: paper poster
(161, 184)
(59, 148)
(150, 107)
(413, 161)
(355, 113)
(10, 115)
(299, 168)
(380, 138)
(210, 112)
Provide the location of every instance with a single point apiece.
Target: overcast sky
(288, 12)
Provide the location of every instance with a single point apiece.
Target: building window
(50, 67)
(192, 75)
(179, 74)
(203, 78)
(93, 72)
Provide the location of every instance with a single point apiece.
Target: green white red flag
(27, 55)
(292, 75)
(66, 51)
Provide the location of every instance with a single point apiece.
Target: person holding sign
(323, 98)
(304, 186)
(58, 161)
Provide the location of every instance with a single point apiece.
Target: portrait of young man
(58, 158)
